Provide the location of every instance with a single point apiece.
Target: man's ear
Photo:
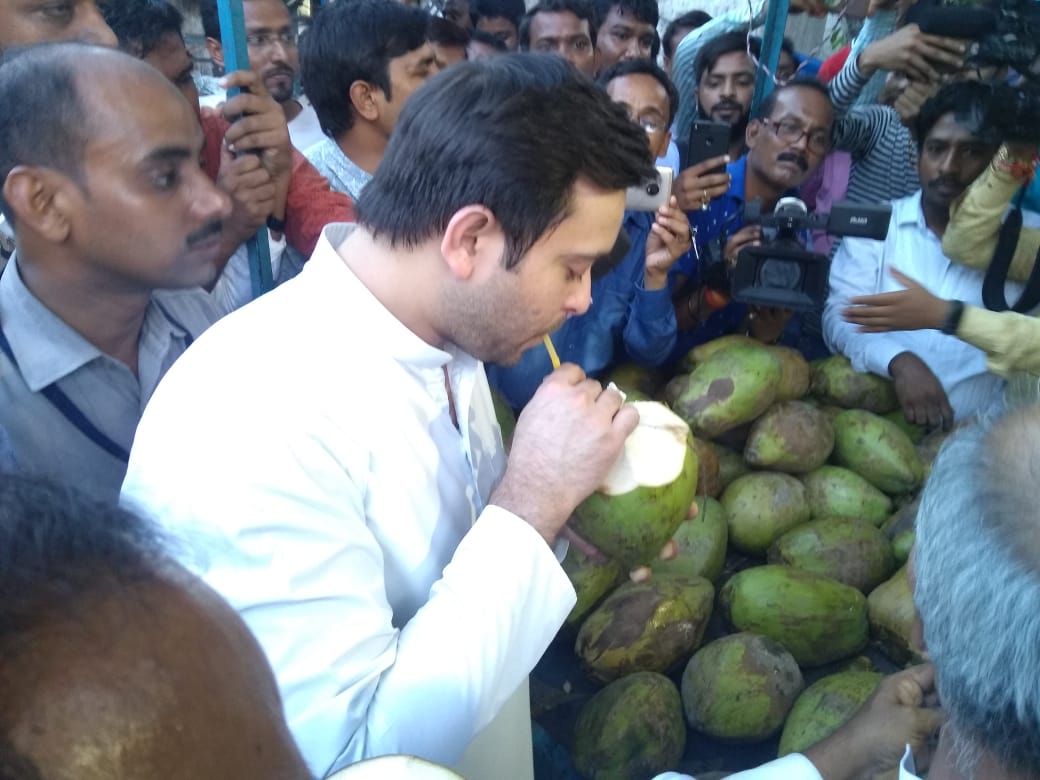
(752, 133)
(473, 242)
(41, 201)
(363, 99)
(216, 52)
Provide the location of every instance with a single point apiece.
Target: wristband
(954, 312)
(276, 225)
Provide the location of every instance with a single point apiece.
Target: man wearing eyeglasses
(273, 56)
(786, 142)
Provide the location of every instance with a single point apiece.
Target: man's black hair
(648, 68)
(211, 18)
(765, 108)
(444, 33)
(354, 41)
(971, 102)
(643, 10)
(488, 39)
(511, 133)
(50, 127)
(139, 25)
(59, 547)
(512, 10)
(691, 19)
(580, 8)
(727, 43)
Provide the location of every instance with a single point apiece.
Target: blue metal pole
(236, 57)
(772, 38)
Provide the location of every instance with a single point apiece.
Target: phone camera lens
(653, 188)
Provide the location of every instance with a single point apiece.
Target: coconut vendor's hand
(767, 323)
(670, 238)
(911, 309)
(901, 712)
(749, 235)
(566, 440)
(920, 392)
(640, 573)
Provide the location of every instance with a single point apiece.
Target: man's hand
(696, 188)
(908, 104)
(911, 309)
(920, 393)
(258, 125)
(252, 194)
(901, 712)
(912, 52)
(767, 323)
(669, 240)
(749, 235)
(568, 437)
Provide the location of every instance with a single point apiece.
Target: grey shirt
(49, 352)
(343, 173)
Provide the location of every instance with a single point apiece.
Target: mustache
(281, 70)
(945, 181)
(795, 157)
(727, 105)
(216, 227)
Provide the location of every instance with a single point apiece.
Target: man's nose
(581, 299)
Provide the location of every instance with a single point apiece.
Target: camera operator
(786, 143)
(936, 376)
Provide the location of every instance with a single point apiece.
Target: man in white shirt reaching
(398, 572)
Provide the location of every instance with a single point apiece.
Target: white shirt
(794, 767)
(305, 129)
(349, 527)
(861, 267)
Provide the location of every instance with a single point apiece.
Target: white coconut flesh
(654, 452)
(395, 768)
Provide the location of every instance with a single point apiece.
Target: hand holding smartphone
(651, 194)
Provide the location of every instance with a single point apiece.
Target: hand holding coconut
(567, 438)
(901, 712)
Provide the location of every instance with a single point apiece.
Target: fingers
(583, 545)
(641, 574)
(669, 551)
(922, 676)
(567, 373)
(699, 169)
(695, 509)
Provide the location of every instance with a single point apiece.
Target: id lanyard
(67, 407)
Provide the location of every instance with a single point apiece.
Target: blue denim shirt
(624, 322)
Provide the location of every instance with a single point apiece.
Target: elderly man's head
(114, 662)
(977, 570)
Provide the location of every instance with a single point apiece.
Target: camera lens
(653, 188)
(782, 274)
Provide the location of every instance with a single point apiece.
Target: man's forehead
(639, 87)
(264, 13)
(622, 16)
(558, 23)
(803, 103)
(416, 56)
(731, 62)
(953, 127)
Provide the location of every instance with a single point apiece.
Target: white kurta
(304, 451)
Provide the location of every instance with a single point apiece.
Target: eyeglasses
(652, 125)
(265, 40)
(791, 132)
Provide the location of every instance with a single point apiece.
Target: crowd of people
(274, 537)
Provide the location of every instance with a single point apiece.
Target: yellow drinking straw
(553, 357)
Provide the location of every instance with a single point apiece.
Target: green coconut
(902, 545)
(648, 492)
(792, 436)
(709, 481)
(645, 627)
(794, 373)
(740, 688)
(835, 382)
(505, 416)
(702, 352)
(824, 707)
(592, 581)
(731, 387)
(701, 544)
(731, 464)
(878, 450)
(761, 507)
(893, 617)
(632, 728)
(634, 379)
(817, 619)
(914, 432)
(844, 549)
(833, 491)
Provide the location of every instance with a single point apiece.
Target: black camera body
(781, 271)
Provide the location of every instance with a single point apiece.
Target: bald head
(117, 664)
(61, 90)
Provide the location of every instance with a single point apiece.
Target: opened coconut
(648, 492)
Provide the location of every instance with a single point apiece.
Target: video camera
(781, 271)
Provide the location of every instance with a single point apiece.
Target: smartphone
(707, 140)
(651, 194)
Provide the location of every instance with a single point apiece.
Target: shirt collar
(383, 330)
(351, 176)
(908, 211)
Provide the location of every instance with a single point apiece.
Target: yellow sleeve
(975, 219)
(1010, 340)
